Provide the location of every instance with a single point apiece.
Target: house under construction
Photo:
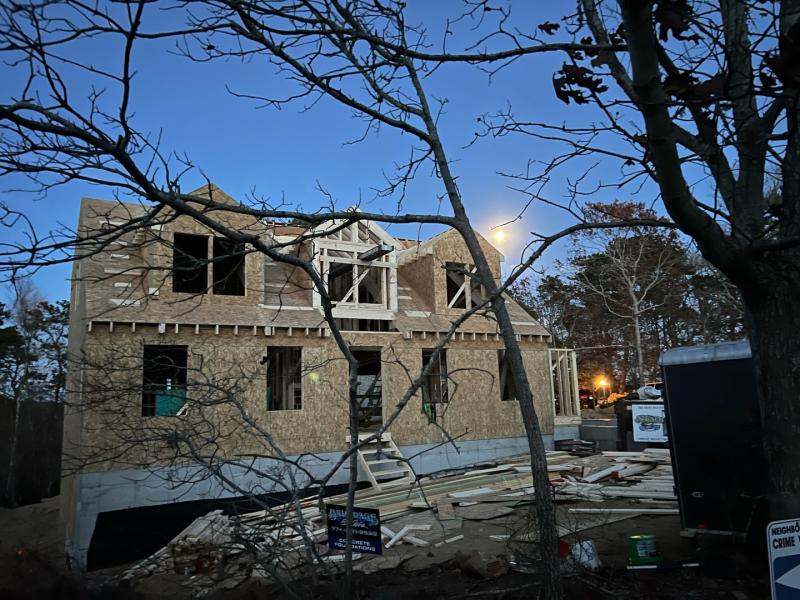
(191, 354)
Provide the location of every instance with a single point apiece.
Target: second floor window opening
(463, 288)
(189, 263)
(355, 282)
(228, 267)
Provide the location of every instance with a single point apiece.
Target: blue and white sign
(783, 543)
(366, 529)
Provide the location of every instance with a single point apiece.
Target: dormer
(358, 263)
(441, 266)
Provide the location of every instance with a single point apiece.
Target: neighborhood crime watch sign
(783, 543)
(366, 529)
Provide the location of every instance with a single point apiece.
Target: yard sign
(783, 543)
(366, 529)
(648, 422)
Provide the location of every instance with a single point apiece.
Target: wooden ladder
(381, 462)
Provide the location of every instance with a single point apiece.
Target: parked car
(586, 398)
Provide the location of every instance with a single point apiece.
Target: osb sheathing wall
(229, 383)
(73, 421)
(475, 410)
(450, 247)
(419, 274)
(152, 253)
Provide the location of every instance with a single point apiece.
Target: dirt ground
(31, 567)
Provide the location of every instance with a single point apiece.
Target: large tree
(697, 101)
(33, 344)
(592, 301)
(715, 87)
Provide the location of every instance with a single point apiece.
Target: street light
(603, 384)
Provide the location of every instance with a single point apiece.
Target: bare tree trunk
(768, 277)
(544, 507)
(774, 327)
(347, 589)
(637, 337)
(11, 480)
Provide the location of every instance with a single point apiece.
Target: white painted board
(648, 423)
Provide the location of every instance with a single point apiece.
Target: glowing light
(601, 382)
(500, 235)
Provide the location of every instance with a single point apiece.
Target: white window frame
(341, 240)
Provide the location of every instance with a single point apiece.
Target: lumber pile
(221, 551)
(201, 545)
(643, 475)
(577, 447)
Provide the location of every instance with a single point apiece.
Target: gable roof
(213, 192)
(379, 231)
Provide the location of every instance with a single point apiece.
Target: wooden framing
(564, 382)
(343, 247)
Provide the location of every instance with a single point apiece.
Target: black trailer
(714, 431)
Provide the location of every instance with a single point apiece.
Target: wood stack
(650, 473)
(202, 544)
(425, 513)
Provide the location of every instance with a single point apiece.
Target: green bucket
(642, 550)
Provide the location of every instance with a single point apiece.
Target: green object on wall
(430, 411)
(170, 401)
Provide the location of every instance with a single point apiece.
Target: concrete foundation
(566, 432)
(602, 431)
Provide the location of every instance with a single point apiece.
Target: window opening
(228, 267)
(340, 282)
(435, 386)
(456, 298)
(508, 389)
(190, 263)
(369, 390)
(370, 285)
(284, 378)
(164, 380)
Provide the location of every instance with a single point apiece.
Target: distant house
(186, 348)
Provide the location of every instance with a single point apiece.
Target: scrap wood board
(481, 512)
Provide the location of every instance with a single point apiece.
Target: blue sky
(287, 153)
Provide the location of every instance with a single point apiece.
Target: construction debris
(650, 469)
(637, 511)
(450, 540)
(577, 447)
(218, 550)
(403, 535)
(480, 512)
(201, 545)
(477, 564)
